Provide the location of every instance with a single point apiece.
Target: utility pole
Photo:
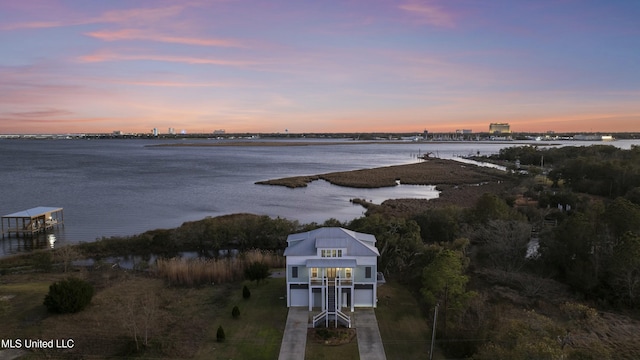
(433, 332)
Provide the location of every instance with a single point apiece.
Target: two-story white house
(331, 270)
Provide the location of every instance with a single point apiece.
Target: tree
(235, 312)
(504, 243)
(139, 316)
(67, 254)
(440, 225)
(444, 283)
(397, 239)
(68, 296)
(491, 207)
(257, 271)
(578, 249)
(625, 271)
(245, 292)
(623, 216)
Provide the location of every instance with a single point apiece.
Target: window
(314, 272)
(348, 273)
(367, 272)
(294, 272)
(331, 253)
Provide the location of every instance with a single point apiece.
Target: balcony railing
(331, 282)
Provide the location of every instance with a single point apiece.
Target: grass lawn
(405, 333)
(257, 333)
(183, 321)
(21, 308)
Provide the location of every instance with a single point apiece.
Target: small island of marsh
(460, 184)
(429, 172)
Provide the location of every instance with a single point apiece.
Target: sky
(315, 66)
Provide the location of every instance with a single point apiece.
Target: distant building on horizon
(499, 128)
(219, 132)
(464, 131)
(155, 131)
(593, 137)
(172, 131)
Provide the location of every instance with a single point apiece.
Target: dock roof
(33, 212)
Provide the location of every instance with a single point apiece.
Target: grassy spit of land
(459, 183)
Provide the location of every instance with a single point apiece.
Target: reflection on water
(131, 262)
(39, 241)
(52, 240)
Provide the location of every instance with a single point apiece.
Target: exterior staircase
(331, 312)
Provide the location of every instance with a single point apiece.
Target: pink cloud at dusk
(104, 56)
(429, 12)
(331, 66)
(136, 34)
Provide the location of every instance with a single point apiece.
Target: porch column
(375, 287)
(352, 299)
(310, 288)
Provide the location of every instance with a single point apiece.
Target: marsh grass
(193, 272)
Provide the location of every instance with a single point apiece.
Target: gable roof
(308, 243)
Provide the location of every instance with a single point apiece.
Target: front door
(331, 273)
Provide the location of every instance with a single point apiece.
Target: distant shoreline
(294, 142)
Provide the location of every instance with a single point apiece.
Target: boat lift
(32, 221)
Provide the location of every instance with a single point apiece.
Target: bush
(235, 312)
(68, 296)
(43, 261)
(220, 334)
(257, 271)
(245, 292)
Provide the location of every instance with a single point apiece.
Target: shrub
(220, 334)
(235, 312)
(68, 296)
(245, 292)
(43, 261)
(257, 271)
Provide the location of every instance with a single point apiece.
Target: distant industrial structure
(593, 137)
(499, 128)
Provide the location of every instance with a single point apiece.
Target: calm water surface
(125, 187)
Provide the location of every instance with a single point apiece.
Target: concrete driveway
(368, 333)
(294, 340)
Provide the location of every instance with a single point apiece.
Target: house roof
(308, 243)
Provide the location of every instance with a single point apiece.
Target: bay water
(125, 187)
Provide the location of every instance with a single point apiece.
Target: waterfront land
(516, 310)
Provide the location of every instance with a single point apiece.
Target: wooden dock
(32, 221)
